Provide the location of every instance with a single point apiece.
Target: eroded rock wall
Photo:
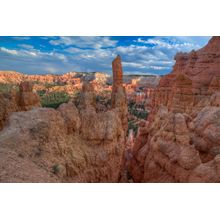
(180, 143)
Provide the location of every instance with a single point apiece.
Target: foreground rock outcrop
(23, 100)
(180, 141)
(75, 143)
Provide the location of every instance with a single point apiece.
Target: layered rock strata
(180, 143)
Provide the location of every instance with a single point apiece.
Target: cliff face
(195, 77)
(180, 140)
(70, 144)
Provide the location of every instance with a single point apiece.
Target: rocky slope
(70, 144)
(179, 142)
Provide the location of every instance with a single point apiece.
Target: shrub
(137, 110)
(54, 99)
(133, 126)
(41, 92)
(56, 169)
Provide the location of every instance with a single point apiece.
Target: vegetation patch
(51, 85)
(138, 110)
(5, 88)
(54, 99)
(133, 126)
(56, 169)
(41, 93)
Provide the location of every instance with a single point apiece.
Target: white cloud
(159, 67)
(197, 41)
(73, 50)
(21, 38)
(163, 43)
(59, 56)
(19, 52)
(97, 53)
(130, 64)
(26, 46)
(84, 42)
(8, 51)
(34, 54)
(50, 69)
(35, 61)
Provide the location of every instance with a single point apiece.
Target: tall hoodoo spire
(119, 99)
(117, 72)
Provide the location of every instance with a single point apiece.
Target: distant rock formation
(71, 78)
(180, 140)
(70, 144)
(71, 83)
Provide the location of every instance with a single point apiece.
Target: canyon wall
(179, 142)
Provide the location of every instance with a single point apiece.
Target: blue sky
(140, 55)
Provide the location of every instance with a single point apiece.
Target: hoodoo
(75, 143)
(117, 78)
(174, 124)
(181, 142)
(118, 97)
(13, 101)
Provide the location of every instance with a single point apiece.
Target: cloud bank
(140, 55)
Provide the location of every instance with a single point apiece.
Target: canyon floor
(93, 127)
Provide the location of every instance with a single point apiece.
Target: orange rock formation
(22, 100)
(70, 144)
(180, 141)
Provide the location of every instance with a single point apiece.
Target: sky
(61, 54)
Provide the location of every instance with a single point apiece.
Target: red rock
(13, 101)
(70, 144)
(181, 144)
(117, 72)
(27, 99)
(118, 97)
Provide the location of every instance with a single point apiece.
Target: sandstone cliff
(180, 143)
(195, 77)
